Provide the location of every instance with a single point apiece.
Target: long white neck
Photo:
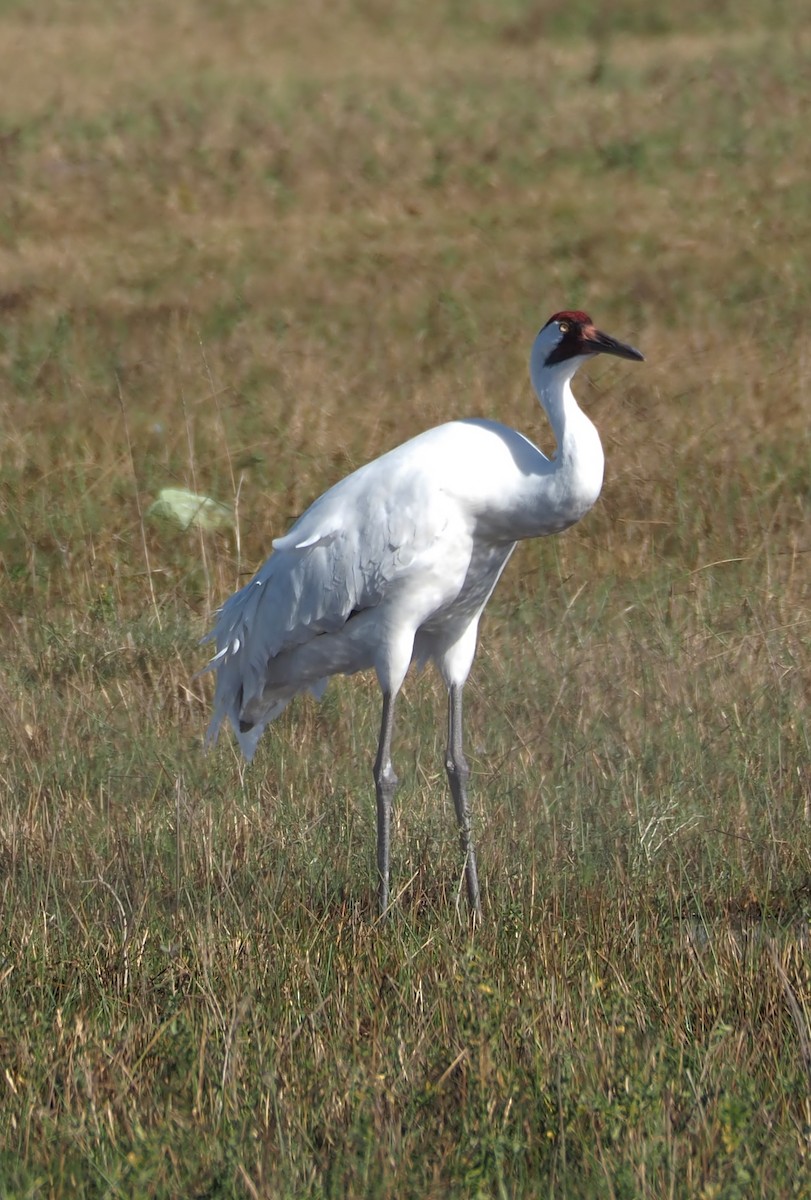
(570, 488)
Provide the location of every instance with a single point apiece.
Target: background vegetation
(245, 247)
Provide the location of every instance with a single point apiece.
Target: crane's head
(571, 336)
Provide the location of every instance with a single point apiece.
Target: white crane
(396, 563)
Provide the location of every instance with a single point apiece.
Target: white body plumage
(396, 562)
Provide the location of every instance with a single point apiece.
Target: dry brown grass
(244, 248)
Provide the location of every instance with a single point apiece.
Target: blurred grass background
(245, 247)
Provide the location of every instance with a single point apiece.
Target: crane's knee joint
(457, 768)
(385, 777)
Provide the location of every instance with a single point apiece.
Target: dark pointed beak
(595, 342)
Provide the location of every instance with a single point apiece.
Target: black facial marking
(572, 343)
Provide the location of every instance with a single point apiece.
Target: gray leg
(458, 775)
(385, 787)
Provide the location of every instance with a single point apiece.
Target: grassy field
(245, 247)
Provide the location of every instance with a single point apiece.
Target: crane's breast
(485, 564)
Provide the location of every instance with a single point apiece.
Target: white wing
(347, 553)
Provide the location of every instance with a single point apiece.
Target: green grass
(243, 249)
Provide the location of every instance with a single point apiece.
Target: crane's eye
(563, 326)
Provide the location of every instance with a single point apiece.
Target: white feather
(396, 562)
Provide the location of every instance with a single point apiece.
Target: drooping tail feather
(275, 639)
(248, 714)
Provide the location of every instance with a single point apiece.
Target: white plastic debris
(189, 510)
